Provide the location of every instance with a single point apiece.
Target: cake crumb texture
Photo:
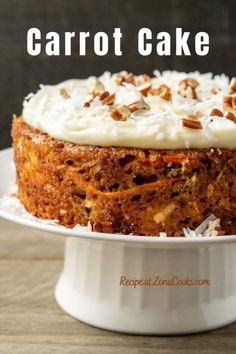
(123, 190)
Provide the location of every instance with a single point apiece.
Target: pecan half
(64, 93)
(232, 85)
(187, 88)
(216, 112)
(121, 113)
(105, 226)
(191, 122)
(137, 105)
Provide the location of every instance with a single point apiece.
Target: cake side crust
(138, 191)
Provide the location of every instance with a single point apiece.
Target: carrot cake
(130, 154)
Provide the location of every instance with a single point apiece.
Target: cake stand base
(92, 287)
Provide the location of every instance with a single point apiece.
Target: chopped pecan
(123, 77)
(229, 102)
(163, 91)
(103, 95)
(144, 88)
(105, 226)
(191, 122)
(108, 99)
(216, 112)
(64, 93)
(232, 85)
(144, 78)
(137, 105)
(230, 115)
(121, 113)
(190, 82)
(187, 88)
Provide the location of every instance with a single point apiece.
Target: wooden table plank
(32, 322)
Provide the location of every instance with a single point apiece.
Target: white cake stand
(91, 287)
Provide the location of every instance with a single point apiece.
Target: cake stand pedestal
(100, 285)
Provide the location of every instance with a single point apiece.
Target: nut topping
(232, 85)
(144, 78)
(105, 226)
(163, 91)
(64, 93)
(229, 102)
(230, 115)
(216, 112)
(108, 100)
(187, 88)
(137, 105)
(191, 122)
(123, 77)
(103, 95)
(121, 113)
(144, 88)
(190, 82)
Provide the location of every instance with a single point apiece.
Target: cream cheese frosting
(160, 127)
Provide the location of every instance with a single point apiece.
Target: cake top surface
(172, 110)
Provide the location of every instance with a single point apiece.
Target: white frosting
(158, 128)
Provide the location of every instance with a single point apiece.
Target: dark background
(21, 73)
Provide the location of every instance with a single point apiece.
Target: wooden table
(32, 323)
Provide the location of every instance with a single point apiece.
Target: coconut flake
(163, 234)
(211, 229)
(204, 225)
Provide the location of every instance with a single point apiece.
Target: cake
(130, 154)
